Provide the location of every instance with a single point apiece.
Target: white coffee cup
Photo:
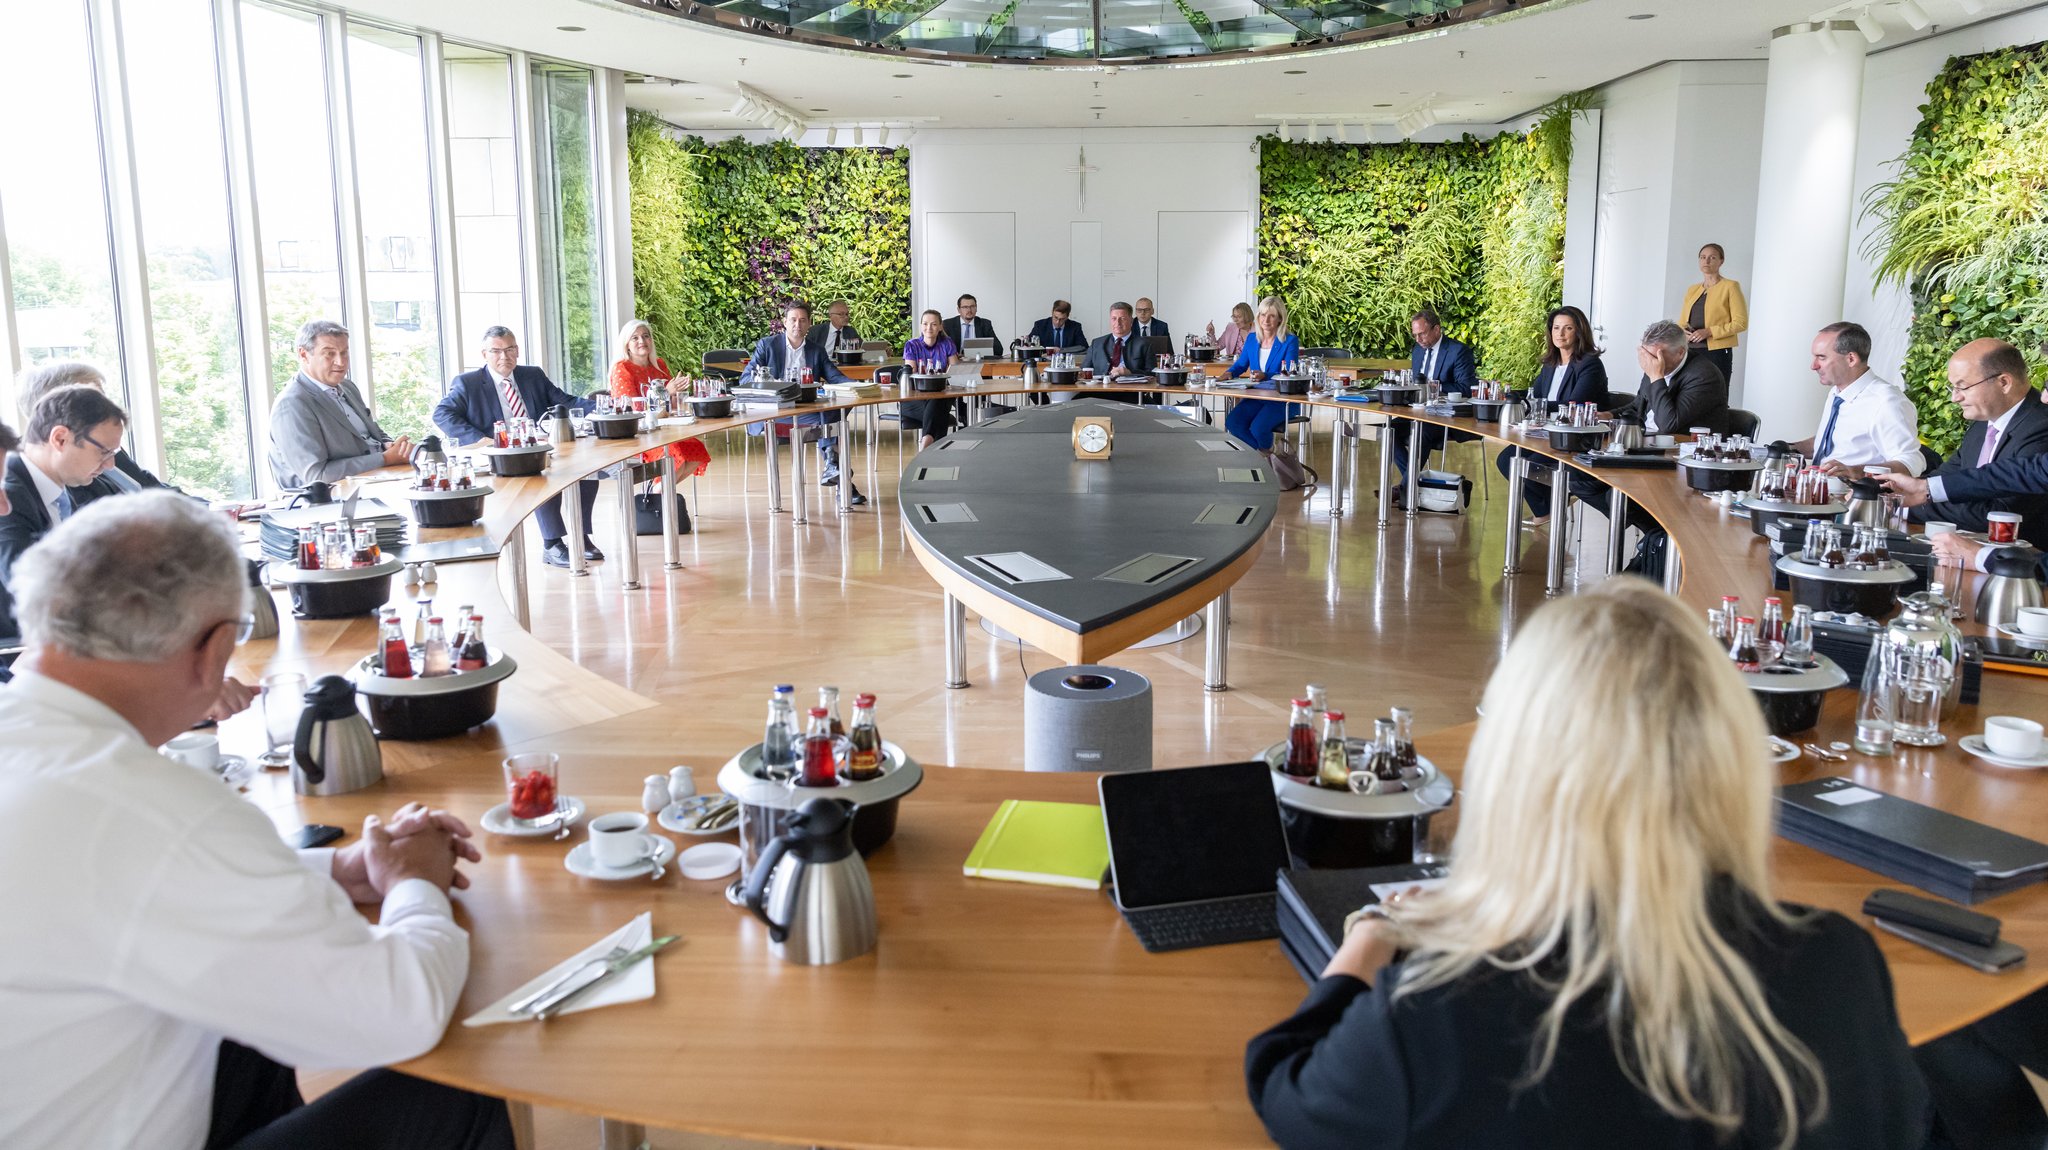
(1938, 527)
(619, 839)
(2032, 622)
(2011, 737)
(195, 749)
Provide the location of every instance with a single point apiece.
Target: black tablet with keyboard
(1194, 853)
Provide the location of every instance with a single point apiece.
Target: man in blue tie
(1868, 422)
(72, 439)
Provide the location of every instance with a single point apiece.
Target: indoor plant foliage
(1965, 223)
(724, 234)
(1358, 237)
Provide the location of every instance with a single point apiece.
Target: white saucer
(580, 863)
(1975, 745)
(1783, 750)
(235, 771)
(498, 820)
(672, 818)
(2012, 632)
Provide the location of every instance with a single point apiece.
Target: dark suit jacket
(1137, 355)
(1453, 365)
(1069, 334)
(2017, 479)
(1585, 381)
(1157, 330)
(983, 329)
(820, 330)
(1696, 395)
(1357, 1067)
(24, 524)
(466, 414)
(772, 353)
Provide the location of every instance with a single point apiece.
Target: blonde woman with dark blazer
(1714, 314)
(1606, 964)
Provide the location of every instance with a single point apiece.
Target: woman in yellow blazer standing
(1714, 314)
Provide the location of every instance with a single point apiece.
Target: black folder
(1946, 854)
(1313, 905)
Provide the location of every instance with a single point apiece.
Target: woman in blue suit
(1571, 373)
(1268, 346)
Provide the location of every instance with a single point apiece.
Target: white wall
(1139, 176)
(1675, 167)
(1894, 84)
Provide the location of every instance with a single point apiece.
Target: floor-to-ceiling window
(572, 276)
(188, 245)
(483, 175)
(53, 196)
(293, 166)
(395, 198)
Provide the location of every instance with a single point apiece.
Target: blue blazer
(772, 353)
(1453, 366)
(1069, 334)
(1585, 381)
(472, 405)
(1251, 354)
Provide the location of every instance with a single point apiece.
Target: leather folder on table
(1934, 850)
(1313, 905)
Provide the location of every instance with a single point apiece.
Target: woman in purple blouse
(930, 351)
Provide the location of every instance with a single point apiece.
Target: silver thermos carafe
(335, 751)
(559, 426)
(812, 890)
(262, 608)
(2014, 583)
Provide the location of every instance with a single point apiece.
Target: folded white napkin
(633, 984)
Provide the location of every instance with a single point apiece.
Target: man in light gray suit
(320, 428)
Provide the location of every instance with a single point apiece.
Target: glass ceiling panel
(1020, 31)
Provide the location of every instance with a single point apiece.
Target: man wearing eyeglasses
(72, 438)
(2008, 423)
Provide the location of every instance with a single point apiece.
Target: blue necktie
(64, 506)
(1827, 433)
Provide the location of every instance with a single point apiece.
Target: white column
(1805, 204)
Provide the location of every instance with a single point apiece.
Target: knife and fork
(551, 999)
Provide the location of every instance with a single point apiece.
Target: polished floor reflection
(1414, 616)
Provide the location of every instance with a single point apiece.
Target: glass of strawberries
(532, 787)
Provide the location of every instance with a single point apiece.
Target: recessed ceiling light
(1098, 107)
(821, 109)
(1297, 71)
(1644, 16)
(568, 28)
(1382, 105)
(1543, 77)
(900, 75)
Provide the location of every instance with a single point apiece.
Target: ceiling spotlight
(738, 106)
(856, 136)
(1868, 25)
(832, 137)
(882, 138)
(1313, 128)
(1912, 13)
(793, 130)
(1970, 7)
(1284, 129)
(1341, 135)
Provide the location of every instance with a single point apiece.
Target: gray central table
(1083, 558)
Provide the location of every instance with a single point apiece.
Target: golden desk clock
(1093, 437)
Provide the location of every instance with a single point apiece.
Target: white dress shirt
(46, 487)
(1268, 355)
(151, 912)
(1937, 490)
(1877, 424)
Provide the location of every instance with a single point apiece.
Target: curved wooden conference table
(992, 1014)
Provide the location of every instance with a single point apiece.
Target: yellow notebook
(1057, 844)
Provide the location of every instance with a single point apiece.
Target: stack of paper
(280, 531)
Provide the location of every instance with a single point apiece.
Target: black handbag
(647, 512)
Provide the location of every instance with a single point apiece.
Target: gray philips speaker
(1088, 718)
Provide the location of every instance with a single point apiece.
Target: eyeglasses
(106, 452)
(1954, 390)
(495, 352)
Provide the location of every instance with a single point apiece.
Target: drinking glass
(1434, 831)
(604, 402)
(1923, 684)
(284, 696)
(533, 793)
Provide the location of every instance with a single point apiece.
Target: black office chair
(1160, 344)
(1743, 423)
(1327, 352)
(1616, 400)
(725, 363)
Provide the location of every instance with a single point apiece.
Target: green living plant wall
(1965, 224)
(724, 233)
(1358, 237)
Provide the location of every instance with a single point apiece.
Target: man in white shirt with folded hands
(166, 956)
(1867, 421)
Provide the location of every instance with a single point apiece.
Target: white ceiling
(1475, 74)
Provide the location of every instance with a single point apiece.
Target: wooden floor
(1416, 616)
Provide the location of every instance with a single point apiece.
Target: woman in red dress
(637, 370)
